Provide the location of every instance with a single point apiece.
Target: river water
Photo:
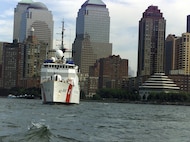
(31, 121)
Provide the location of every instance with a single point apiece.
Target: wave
(37, 132)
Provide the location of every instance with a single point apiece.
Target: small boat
(59, 80)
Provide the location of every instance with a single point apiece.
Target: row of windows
(58, 66)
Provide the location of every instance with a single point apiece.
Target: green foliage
(169, 97)
(4, 92)
(119, 94)
(82, 95)
(36, 92)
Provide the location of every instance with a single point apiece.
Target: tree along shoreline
(123, 96)
(21, 92)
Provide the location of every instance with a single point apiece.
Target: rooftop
(26, 1)
(37, 5)
(94, 2)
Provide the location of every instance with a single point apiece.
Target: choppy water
(31, 121)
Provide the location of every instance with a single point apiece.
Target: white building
(158, 82)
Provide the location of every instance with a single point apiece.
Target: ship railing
(69, 80)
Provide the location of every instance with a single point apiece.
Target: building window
(30, 15)
(27, 14)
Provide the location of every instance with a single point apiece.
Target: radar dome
(59, 54)
(53, 59)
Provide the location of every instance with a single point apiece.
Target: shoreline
(139, 102)
(123, 101)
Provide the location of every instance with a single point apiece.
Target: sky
(124, 14)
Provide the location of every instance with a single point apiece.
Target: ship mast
(62, 37)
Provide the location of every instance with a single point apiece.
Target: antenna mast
(62, 33)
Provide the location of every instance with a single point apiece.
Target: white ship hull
(59, 92)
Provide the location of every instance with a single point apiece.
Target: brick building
(108, 72)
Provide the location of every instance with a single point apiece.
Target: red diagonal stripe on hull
(68, 97)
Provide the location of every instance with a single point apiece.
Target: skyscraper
(30, 14)
(151, 42)
(188, 23)
(184, 54)
(92, 34)
(171, 53)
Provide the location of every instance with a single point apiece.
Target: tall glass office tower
(92, 34)
(29, 14)
(151, 42)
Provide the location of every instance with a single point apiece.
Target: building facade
(177, 54)
(110, 72)
(12, 67)
(92, 34)
(30, 14)
(20, 63)
(171, 53)
(151, 42)
(34, 55)
(183, 81)
(184, 54)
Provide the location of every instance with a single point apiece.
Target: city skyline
(124, 29)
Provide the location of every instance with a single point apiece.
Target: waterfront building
(151, 42)
(92, 34)
(113, 70)
(12, 64)
(21, 63)
(30, 14)
(110, 72)
(184, 54)
(180, 47)
(34, 56)
(158, 82)
(183, 81)
(171, 53)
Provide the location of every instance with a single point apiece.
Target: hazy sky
(125, 15)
